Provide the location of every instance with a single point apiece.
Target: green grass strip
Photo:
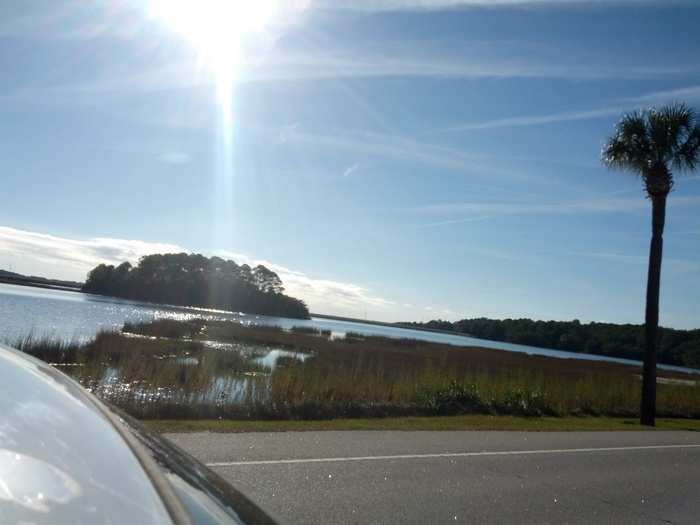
(468, 422)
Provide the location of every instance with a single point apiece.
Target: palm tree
(650, 143)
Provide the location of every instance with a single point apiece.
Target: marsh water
(74, 316)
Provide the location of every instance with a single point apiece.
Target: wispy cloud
(532, 208)
(175, 157)
(63, 257)
(274, 63)
(598, 205)
(672, 264)
(689, 93)
(385, 145)
(281, 65)
(404, 149)
(504, 255)
(72, 19)
(69, 19)
(313, 65)
(286, 131)
(322, 295)
(350, 170)
(532, 120)
(78, 255)
(119, 82)
(430, 5)
(452, 221)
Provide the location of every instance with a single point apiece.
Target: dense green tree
(651, 144)
(267, 280)
(194, 280)
(676, 347)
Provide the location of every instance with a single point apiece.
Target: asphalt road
(468, 477)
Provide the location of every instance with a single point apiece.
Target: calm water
(77, 316)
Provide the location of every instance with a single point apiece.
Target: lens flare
(218, 30)
(224, 34)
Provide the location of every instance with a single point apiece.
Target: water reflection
(34, 484)
(79, 317)
(270, 359)
(212, 377)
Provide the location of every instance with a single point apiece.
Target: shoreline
(38, 284)
(391, 325)
(487, 343)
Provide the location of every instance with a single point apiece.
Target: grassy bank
(465, 422)
(217, 369)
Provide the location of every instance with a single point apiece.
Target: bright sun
(217, 29)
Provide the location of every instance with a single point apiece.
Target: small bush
(525, 403)
(456, 398)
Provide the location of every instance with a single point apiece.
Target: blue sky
(402, 159)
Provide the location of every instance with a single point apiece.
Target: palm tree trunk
(651, 328)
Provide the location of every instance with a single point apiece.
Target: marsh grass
(166, 369)
(49, 350)
(310, 330)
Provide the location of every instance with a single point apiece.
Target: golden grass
(353, 377)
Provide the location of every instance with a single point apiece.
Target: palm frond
(687, 157)
(655, 140)
(668, 128)
(629, 147)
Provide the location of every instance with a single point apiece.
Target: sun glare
(217, 29)
(224, 34)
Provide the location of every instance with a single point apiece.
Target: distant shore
(49, 284)
(405, 326)
(59, 285)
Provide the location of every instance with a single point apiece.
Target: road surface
(463, 477)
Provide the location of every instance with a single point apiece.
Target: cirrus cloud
(72, 258)
(322, 295)
(66, 258)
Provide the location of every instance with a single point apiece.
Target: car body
(66, 457)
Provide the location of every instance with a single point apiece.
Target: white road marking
(446, 455)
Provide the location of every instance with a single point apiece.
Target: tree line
(676, 347)
(195, 280)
